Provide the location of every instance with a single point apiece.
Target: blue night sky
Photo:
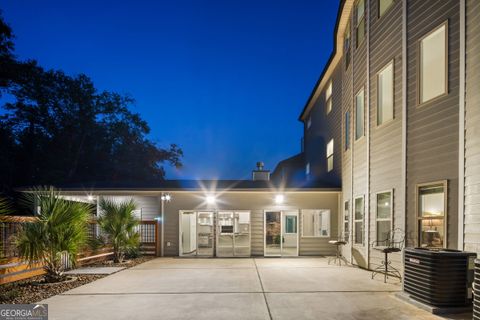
(225, 80)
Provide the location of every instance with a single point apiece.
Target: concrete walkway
(177, 288)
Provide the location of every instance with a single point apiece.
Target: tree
(61, 229)
(118, 222)
(59, 129)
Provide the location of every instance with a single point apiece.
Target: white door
(281, 233)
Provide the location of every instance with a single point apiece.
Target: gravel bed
(27, 291)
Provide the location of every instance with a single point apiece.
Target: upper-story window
(433, 64)
(347, 44)
(330, 155)
(309, 122)
(328, 97)
(385, 94)
(347, 130)
(359, 114)
(383, 6)
(360, 10)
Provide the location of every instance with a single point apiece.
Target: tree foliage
(58, 129)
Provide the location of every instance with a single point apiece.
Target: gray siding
(472, 128)
(149, 206)
(386, 139)
(360, 156)
(256, 203)
(257, 238)
(432, 141)
(325, 127)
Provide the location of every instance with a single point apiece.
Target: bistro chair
(339, 242)
(394, 242)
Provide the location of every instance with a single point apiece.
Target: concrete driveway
(177, 288)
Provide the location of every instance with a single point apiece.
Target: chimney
(260, 174)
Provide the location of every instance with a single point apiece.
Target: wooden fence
(12, 268)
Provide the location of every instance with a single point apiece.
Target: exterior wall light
(210, 199)
(279, 198)
(166, 197)
(90, 197)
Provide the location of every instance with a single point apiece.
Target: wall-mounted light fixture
(279, 198)
(90, 197)
(210, 199)
(166, 197)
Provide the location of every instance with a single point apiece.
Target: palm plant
(5, 206)
(117, 220)
(61, 229)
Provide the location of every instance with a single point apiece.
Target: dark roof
(339, 14)
(192, 185)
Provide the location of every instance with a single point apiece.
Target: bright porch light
(210, 199)
(166, 197)
(279, 198)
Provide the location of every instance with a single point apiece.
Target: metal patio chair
(394, 242)
(339, 242)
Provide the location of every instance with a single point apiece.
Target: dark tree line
(57, 129)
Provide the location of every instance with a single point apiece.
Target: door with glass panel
(205, 235)
(233, 234)
(281, 233)
(196, 233)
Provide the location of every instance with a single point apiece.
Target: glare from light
(90, 197)
(210, 199)
(279, 198)
(166, 197)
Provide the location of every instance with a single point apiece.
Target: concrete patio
(260, 288)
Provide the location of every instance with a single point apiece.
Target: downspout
(404, 119)
(461, 131)
(352, 143)
(162, 225)
(367, 229)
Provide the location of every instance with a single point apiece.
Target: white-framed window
(347, 130)
(328, 97)
(432, 214)
(330, 155)
(359, 114)
(433, 73)
(316, 223)
(385, 94)
(346, 221)
(309, 122)
(360, 10)
(383, 6)
(359, 208)
(307, 168)
(384, 214)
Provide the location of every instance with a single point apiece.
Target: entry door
(196, 233)
(188, 233)
(281, 233)
(205, 235)
(233, 234)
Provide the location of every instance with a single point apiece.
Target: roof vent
(260, 174)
